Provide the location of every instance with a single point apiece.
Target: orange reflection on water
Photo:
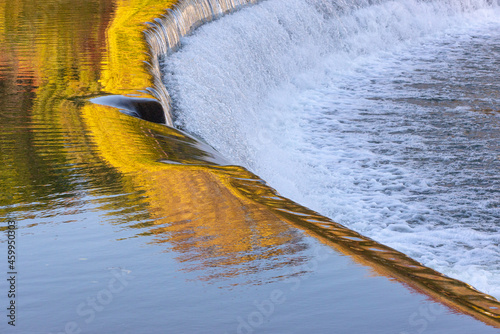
(192, 211)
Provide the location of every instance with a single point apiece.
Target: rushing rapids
(294, 70)
(165, 34)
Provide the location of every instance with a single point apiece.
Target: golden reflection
(192, 211)
(124, 69)
(51, 51)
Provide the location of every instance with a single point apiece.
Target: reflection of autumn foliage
(124, 67)
(56, 43)
(51, 50)
(192, 210)
(219, 230)
(225, 221)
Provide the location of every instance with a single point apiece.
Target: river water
(128, 226)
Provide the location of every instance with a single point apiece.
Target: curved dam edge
(383, 259)
(163, 38)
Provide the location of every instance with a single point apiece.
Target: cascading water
(380, 115)
(164, 35)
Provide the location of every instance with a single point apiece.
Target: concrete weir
(164, 34)
(148, 109)
(163, 37)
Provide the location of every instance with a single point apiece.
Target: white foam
(360, 113)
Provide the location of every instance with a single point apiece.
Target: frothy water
(384, 117)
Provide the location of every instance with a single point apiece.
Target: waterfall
(164, 35)
(363, 111)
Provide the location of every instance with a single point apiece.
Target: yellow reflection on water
(124, 66)
(192, 210)
(56, 54)
(50, 51)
